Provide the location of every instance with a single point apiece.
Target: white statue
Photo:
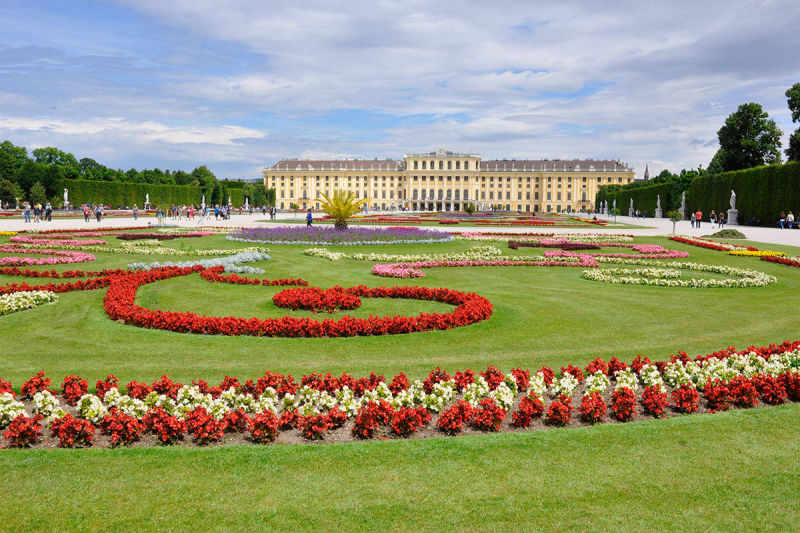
(229, 201)
(658, 201)
(683, 200)
(203, 203)
(66, 197)
(733, 199)
(147, 198)
(631, 203)
(615, 203)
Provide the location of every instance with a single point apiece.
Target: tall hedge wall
(644, 198)
(761, 192)
(118, 193)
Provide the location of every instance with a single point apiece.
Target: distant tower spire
(646, 173)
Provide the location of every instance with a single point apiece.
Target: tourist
(698, 216)
(99, 212)
(309, 218)
(721, 219)
(48, 212)
(790, 219)
(782, 220)
(713, 218)
(216, 212)
(135, 212)
(37, 212)
(86, 212)
(693, 219)
(27, 212)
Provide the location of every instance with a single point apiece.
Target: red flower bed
(264, 427)
(718, 395)
(312, 427)
(315, 299)
(654, 401)
(206, 428)
(124, 429)
(24, 431)
(213, 275)
(36, 383)
(452, 420)
(120, 297)
(73, 388)
(743, 392)
(559, 413)
(72, 432)
(169, 429)
(685, 399)
(238, 422)
(488, 415)
(770, 390)
(593, 408)
(702, 244)
(530, 407)
(623, 404)
(407, 420)
(781, 260)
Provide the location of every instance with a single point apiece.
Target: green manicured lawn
(730, 471)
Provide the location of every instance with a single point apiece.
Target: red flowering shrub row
(530, 407)
(315, 299)
(702, 244)
(120, 297)
(781, 260)
(213, 274)
(623, 404)
(453, 419)
(72, 432)
(593, 408)
(24, 431)
(654, 401)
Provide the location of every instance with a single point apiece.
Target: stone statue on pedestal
(733, 214)
(733, 199)
(682, 210)
(659, 211)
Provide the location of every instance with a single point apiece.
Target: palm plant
(341, 206)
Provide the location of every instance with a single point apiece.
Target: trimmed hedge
(644, 198)
(761, 192)
(117, 193)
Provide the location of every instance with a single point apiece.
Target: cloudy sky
(236, 84)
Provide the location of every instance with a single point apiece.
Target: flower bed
(757, 253)
(347, 408)
(59, 257)
(782, 261)
(119, 305)
(163, 236)
(665, 277)
(351, 236)
(412, 270)
(53, 240)
(19, 301)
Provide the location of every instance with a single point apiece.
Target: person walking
(698, 216)
(135, 212)
(37, 212)
(790, 220)
(27, 213)
(721, 220)
(782, 220)
(692, 220)
(309, 218)
(99, 212)
(713, 218)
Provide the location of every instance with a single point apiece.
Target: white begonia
(289, 401)
(511, 382)
(566, 385)
(44, 403)
(650, 376)
(9, 409)
(383, 391)
(475, 392)
(19, 301)
(537, 385)
(597, 382)
(91, 408)
(626, 379)
(503, 396)
(675, 374)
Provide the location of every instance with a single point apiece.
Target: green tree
(259, 194)
(793, 99)
(29, 174)
(18, 154)
(8, 192)
(749, 138)
(675, 217)
(38, 194)
(182, 178)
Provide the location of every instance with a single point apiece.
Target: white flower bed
(476, 253)
(665, 277)
(231, 263)
(19, 301)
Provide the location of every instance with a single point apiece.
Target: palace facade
(447, 181)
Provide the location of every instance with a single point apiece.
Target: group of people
(40, 214)
(714, 218)
(786, 221)
(640, 214)
(89, 209)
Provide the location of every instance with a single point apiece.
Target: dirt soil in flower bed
(345, 433)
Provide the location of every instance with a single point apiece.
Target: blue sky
(234, 85)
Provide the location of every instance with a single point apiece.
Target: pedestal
(682, 211)
(733, 217)
(630, 212)
(659, 213)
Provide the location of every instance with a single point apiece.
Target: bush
(770, 390)
(336, 417)
(452, 420)
(488, 415)
(530, 407)
(685, 399)
(237, 421)
(399, 383)
(790, 382)
(167, 427)
(205, 428)
(106, 385)
(73, 388)
(743, 392)
(593, 408)
(436, 375)
(408, 420)
(464, 379)
(72, 432)
(493, 377)
(574, 370)
(313, 427)
(718, 395)
(37, 383)
(654, 401)
(22, 432)
(288, 419)
(623, 404)
(559, 413)
(264, 427)
(124, 429)
(522, 377)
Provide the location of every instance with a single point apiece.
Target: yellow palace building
(447, 181)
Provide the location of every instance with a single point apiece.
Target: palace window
(569, 196)
(536, 195)
(449, 165)
(441, 165)
(458, 165)
(466, 165)
(416, 165)
(558, 196)
(549, 196)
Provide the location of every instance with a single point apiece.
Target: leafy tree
(294, 207)
(675, 217)
(52, 176)
(54, 156)
(259, 194)
(749, 138)
(469, 208)
(793, 96)
(247, 190)
(793, 152)
(8, 191)
(38, 194)
(29, 174)
(182, 178)
(8, 167)
(340, 206)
